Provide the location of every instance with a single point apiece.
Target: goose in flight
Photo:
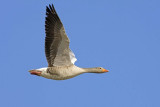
(58, 54)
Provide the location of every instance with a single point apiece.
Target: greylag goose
(58, 54)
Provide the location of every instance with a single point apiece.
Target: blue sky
(120, 35)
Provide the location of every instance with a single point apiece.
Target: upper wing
(56, 42)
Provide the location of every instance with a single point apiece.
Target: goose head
(96, 70)
(102, 70)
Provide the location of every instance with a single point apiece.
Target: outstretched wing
(56, 42)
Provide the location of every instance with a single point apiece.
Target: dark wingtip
(50, 9)
(47, 9)
(50, 6)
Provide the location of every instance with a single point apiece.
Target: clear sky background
(122, 36)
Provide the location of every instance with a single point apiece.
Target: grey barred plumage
(62, 73)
